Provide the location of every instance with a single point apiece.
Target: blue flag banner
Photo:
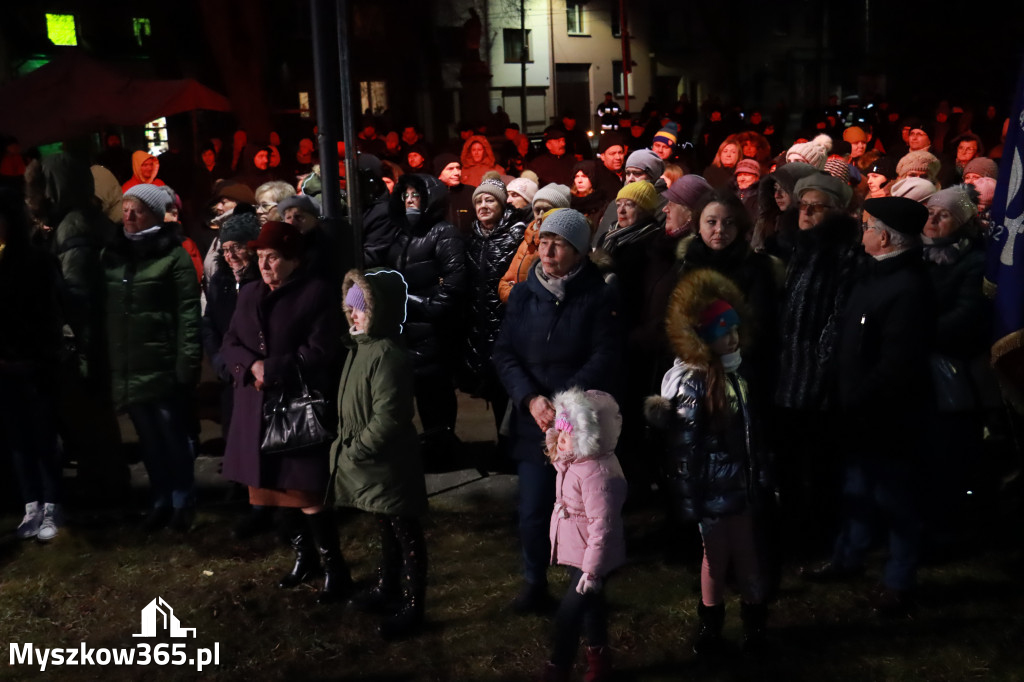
(1005, 269)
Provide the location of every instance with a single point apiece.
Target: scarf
(139, 236)
(556, 285)
(945, 250)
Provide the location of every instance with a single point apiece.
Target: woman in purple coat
(289, 319)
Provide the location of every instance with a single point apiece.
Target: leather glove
(588, 584)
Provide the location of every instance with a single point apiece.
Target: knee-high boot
(385, 589)
(409, 616)
(307, 563)
(337, 579)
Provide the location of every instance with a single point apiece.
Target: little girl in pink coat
(586, 524)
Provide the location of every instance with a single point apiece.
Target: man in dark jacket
(554, 165)
(431, 256)
(561, 330)
(448, 170)
(884, 390)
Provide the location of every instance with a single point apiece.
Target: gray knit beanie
(570, 225)
(557, 195)
(829, 184)
(648, 161)
(155, 198)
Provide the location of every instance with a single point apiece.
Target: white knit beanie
(814, 152)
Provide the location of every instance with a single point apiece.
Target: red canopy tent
(76, 95)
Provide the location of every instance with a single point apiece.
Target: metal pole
(355, 209)
(522, 64)
(325, 79)
(627, 58)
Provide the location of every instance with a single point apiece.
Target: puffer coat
(432, 258)
(586, 523)
(488, 257)
(376, 458)
(152, 308)
(714, 467)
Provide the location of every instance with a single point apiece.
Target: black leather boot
(708, 639)
(337, 579)
(385, 590)
(307, 564)
(408, 619)
(755, 621)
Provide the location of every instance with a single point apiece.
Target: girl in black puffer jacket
(718, 473)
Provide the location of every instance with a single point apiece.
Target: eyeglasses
(864, 227)
(234, 249)
(812, 208)
(635, 174)
(268, 205)
(411, 195)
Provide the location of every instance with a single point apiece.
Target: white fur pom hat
(593, 418)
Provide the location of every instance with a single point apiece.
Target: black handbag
(296, 420)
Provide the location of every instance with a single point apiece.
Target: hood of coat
(140, 157)
(467, 158)
(431, 212)
(385, 293)
(58, 185)
(595, 418)
(692, 295)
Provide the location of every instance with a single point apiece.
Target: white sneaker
(29, 526)
(52, 520)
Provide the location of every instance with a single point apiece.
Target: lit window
(373, 95)
(515, 52)
(142, 28)
(156, 136)
(617, 80)
(574, 19)
(304, 104)
(60, 29)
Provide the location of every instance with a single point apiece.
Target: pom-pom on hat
(281, 237)
(155, 198)
(814, 152)
(642, 194)
(716, 320)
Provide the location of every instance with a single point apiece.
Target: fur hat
(829, 184)
(647, 161)
(496, 188)
(642, 194)
(240, 227)
(922, 161)
(524, 187)
(983, 166)
(593, 419)
(958, 200)
(814, 152)
(557, 195)
(687, 191)
(155, 198)
(693, 295)
(917, 189)
(570, 225)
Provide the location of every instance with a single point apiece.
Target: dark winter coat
(31, 310)
(886, 328)
(376, 458)
(221, 299)
(818, 279)
(546, 346)
(152, 308)
(488, 255)
(964, 313)
(432, 258)
(297, 323)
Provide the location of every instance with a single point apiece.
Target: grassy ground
(90, 584)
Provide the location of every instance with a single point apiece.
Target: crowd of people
(765, 339)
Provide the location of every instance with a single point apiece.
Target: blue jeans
(536, 501)
(585, 614)
(27, 420)
(880, 489)
(166, 451)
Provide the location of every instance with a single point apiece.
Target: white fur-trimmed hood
(595, 418)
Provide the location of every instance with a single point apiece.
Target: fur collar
(695, 292)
